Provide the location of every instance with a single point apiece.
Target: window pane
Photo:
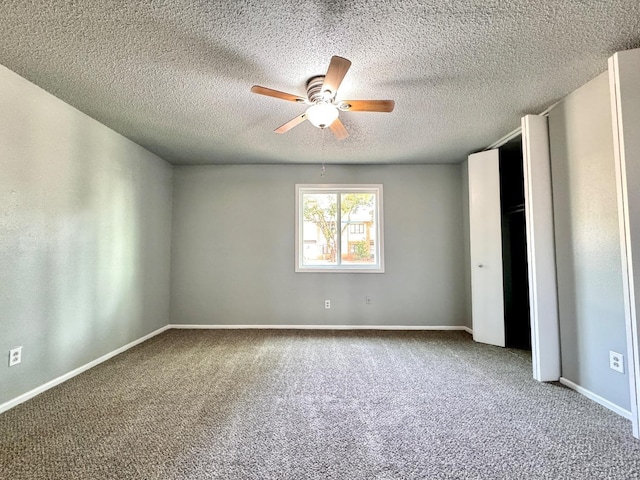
(358, 229)
(319, 235)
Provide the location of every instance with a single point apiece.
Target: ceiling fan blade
(337, 70)
(269, 92)
(338, 129)
(291, 123)
(367, 105)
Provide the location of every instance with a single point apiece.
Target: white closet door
(541, 254)
(485, 231)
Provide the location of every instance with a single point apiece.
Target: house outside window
(339, 228)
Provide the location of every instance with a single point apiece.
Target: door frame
(624, 73)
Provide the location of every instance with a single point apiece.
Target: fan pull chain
(322, 150)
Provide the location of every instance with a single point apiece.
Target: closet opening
(514, 247)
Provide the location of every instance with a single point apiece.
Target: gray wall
(85, 220)
(590, 294)
(233, 249)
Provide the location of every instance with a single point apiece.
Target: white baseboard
(56, 381)
(319, 327)
(596, 398)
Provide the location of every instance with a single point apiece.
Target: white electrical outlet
(616, 361)
(15, 356)
(327, 304)
(367, 300)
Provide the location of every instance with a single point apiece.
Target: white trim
(506, 139)
(518, 131)
(319, 327)
(596, 398)
(626, 163)
(63, 378)
(377, 189)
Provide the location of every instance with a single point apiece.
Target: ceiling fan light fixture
(324, 109)
(322, 114)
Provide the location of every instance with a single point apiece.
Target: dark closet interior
(514, 247)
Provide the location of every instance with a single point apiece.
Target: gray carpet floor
(199, 404)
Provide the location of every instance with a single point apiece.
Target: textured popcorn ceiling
(174, 75)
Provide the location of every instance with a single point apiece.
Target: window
(339, 228)
(356, 228)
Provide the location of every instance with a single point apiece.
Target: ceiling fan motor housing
(314, 90)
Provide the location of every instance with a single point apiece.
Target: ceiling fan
(324, 109)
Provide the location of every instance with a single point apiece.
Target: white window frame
(301, 189)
